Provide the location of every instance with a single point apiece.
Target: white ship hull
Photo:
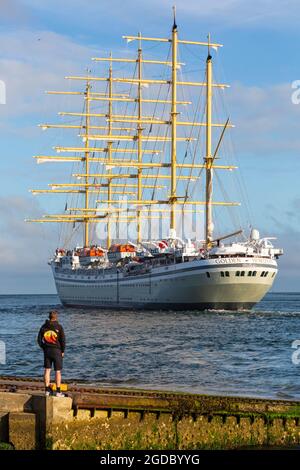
(199, 284)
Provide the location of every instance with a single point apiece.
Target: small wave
(224, 311)
(115, 381)
(277, 312)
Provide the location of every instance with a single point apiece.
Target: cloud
(243, 13)
(32, 62)
(24, 246)
(116, 14)
(14, 11)
(267, 121)
(285, 226)
(288, 276)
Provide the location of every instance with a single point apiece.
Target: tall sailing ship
(148, 158)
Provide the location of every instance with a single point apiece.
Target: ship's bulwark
(192, 285)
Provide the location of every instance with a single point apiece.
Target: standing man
(51, 339)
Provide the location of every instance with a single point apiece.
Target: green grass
(5, 446)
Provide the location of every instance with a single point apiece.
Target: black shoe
(48, 392)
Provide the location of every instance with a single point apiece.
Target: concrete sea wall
(165, 432)
(115, 419)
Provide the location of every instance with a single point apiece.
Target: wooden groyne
(105, 418)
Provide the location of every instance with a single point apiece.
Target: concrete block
(61, 408)
(50, 411)
(15, 402)
(38, 406)
(22, 430)
(3, 427)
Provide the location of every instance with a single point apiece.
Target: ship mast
(208, 157)
(109, 150)
(139, 141)
(173, 130)
(86, 159)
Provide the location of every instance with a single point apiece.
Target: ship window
(266, 273)
(242, 273)
(254, 273)
(262, 274)
(237, 273)
(222, 273)
(227, 273)
(249, 273)
(207, 274)
(273, 274)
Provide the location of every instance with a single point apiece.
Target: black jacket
(51, 335)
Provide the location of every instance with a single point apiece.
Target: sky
(43, 41)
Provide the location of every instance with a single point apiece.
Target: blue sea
(247, 353)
